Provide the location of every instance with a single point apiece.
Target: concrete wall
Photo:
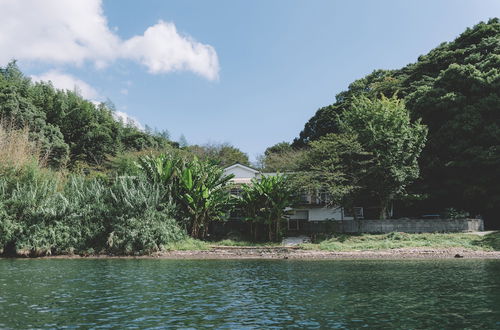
(320, 214)
(391, 225)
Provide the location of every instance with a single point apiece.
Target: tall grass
(17, 150)
(44, 212)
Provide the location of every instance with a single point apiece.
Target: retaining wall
(393, 225)
(220, 229)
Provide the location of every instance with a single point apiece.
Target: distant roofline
(241, 165)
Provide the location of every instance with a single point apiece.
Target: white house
(312, 208)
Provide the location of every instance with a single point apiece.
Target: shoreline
(293, 253)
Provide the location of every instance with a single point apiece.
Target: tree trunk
(383, 208)
(270, 231)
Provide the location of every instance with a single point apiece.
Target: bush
(42, 213)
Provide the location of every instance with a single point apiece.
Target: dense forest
(455, 91)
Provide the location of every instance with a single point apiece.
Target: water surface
(152, 293)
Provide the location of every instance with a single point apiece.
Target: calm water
(249, 294)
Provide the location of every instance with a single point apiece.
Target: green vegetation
(265, 202)
(343, 242)
(73, 179)
(455, 90)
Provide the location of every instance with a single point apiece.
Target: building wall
(240, 172)
(321, 214)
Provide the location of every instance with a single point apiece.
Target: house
(313, 207)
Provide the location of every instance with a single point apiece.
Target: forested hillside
(455, 90)
(73, 131)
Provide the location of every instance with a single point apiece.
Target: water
(249, 294)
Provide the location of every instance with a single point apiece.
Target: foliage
(266, 201)
(281, 157)
(200, 189)
(68, 127)
(455, 90)
(43, 212)
(223, 155)
(384, 129)
(336, 164)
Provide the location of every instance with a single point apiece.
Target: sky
(248, 73)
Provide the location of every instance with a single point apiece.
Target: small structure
(313, 206)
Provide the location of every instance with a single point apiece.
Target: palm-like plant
(266, 200)
(199, 189)
(204, 195)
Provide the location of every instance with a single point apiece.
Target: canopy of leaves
(70, 128)
(455, 89)
(336, 164)
(223, 155)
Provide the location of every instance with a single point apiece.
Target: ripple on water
(250, 293)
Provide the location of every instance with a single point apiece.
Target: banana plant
(266, 200)
(204, 195)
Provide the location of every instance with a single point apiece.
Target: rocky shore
(296, 253)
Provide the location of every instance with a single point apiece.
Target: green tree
(336, 164)
(384, 129)
(455, 90)
(267, 199)
(281, 157)
(223, 155)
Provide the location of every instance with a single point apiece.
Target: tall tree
(336, 164)
(384, 129)
(222, 154)
(455, 90)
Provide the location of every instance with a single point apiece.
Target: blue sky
(259, 69)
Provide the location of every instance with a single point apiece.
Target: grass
(191, 244)
(490, 242)
(344, 242)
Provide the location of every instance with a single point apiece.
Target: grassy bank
(342, 242)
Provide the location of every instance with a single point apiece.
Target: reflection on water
(250, 293)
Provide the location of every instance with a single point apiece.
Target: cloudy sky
(250, 73)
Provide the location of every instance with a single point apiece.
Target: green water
(249, 294)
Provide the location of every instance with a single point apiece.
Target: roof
(243, 166)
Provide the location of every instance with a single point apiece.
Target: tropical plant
(200, 189)
(267, 200)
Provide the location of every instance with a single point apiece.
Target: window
(358, 210)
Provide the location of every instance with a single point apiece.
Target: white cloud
(161, 49)
(76, 31)
(127, 119)
(66, 81)
(124, 91)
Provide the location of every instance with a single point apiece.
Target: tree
(336, 164)
(455, 90)
(281, 157)
(384, 129)
(183, 141)
(266, 200)
(200, 189)
(223, 154)
(204, 195)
